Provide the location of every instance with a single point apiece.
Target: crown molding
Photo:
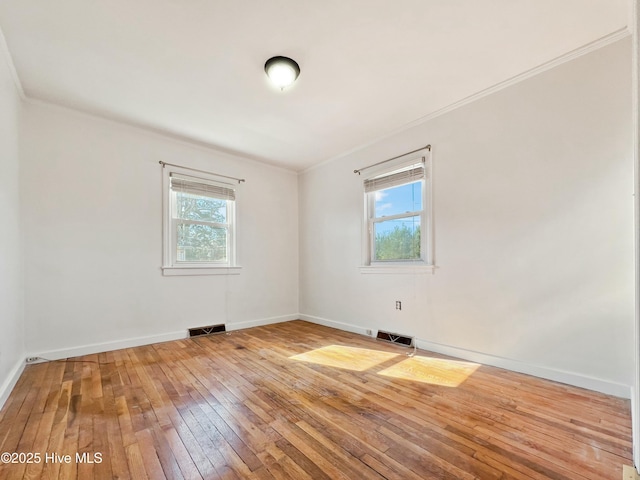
(567, 57)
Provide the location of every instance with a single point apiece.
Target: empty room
(319, 240)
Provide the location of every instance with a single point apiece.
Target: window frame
(426, 262)
(171, 266)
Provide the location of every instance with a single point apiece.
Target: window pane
(397, 239)
(201, 243)
(395, 200)
(198, 207)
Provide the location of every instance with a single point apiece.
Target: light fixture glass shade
(282, 71)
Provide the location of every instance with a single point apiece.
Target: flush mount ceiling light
(282, 71)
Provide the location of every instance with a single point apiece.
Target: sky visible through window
(398, 200)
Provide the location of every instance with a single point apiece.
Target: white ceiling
(194, 68)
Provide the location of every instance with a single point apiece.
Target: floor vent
(395, 338)
(208, 330)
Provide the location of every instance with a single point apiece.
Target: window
(199, 232)
(398, 214)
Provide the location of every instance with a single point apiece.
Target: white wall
(92, 196)
(12, 348)
(533, 226)
(533, 221)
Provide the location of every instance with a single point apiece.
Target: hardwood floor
(301, 401)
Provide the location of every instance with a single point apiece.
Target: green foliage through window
(197, 207)
(201, 243)
(397, 212)
(401, 243)
(202, 233)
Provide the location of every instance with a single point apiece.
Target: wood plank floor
(301, 401)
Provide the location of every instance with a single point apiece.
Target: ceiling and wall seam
(567, 57)
(12, 68)
(205, 146)
(158, 133)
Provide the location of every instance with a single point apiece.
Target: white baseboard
(347, 327)
(262, 321)
(108, 346)
(570, 378)
(7, 386)
(562, 376)
(147, 340)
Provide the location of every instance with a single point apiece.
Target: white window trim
(169, 265)
(427, 263)
(396, 268)
(179, 271)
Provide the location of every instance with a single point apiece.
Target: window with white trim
(398, 214)
(199, 226)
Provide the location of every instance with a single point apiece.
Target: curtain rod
(164, 164)
(428, 147)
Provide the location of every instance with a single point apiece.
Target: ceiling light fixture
(282, 71)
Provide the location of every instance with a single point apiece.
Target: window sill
(180, 271)
(398, 268)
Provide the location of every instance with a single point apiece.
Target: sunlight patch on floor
(350, 358)
(435, 371)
